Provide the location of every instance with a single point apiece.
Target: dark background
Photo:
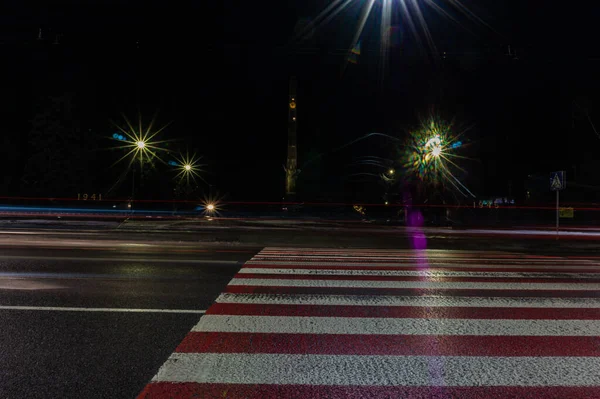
(218, 72)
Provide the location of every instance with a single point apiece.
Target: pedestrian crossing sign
(557, 181)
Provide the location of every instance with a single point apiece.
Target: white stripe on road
(518, 232)
(417, 273)
(409, 252)
(342, 257)
(424, 301)
(395, 326)
(439, 253)
(123, 310)
(413, 284)
(348, 370)
(121, 259)
(421, 265)
(412, 259)
(106, 276)
(28, 285)
(422, 253)
(390, 250)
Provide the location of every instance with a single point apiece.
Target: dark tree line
(60, 152)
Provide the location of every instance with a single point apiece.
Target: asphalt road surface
(115, 319)
(97, 322)
(364, 323)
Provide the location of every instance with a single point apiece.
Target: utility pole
(132, 188)
(291, 167)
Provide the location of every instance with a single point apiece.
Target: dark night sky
(219, 72)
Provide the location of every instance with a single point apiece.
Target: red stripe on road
(251, 289)
(406, 259)
(388, 345)
(397, 253)
(500, 268)
(418, 254)
(167, 390)
(283, 276)
(410, 253)
(405, 312)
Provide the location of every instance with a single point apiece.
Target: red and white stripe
(319, 323)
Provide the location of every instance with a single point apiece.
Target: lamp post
(140, 149)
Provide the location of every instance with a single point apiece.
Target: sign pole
(558, 182)
(557, 213)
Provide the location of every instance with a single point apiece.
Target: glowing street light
(415, 15)
(140, 145)
(431, 155)
(210, 206)
(188, 167)
(434, 142)
(139, 141)
(391, 171)
(433, 147)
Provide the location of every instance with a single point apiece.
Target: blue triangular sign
(556, 183)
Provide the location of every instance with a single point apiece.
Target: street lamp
(391, 171)
(433, 147)
(210, 206)
(138, 149)
(141, 147)
(187, 168)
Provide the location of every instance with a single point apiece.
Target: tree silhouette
(58, 163)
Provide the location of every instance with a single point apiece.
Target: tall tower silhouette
(291, 166)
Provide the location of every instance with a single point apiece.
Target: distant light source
(391, 171)
(188, 167)
(141, 144)
(210, 207)
(435, 141)
(434, 146)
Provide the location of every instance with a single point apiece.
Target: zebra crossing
(368, 323)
